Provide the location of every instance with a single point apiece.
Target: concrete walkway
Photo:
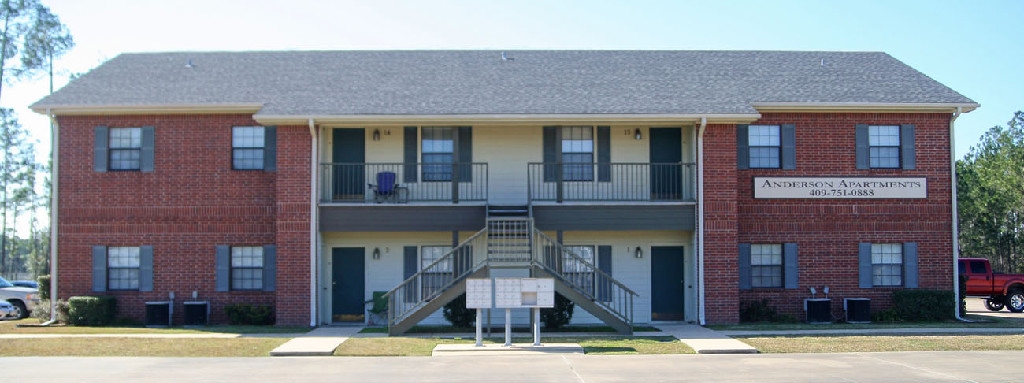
(706, 341)
(320, 342)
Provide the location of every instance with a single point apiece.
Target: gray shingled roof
(339, 83)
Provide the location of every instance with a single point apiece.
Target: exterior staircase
(509, 241)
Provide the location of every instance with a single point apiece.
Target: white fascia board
(823, 107)
(79, 110)
(504, 119)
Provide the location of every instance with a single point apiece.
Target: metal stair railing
(509, 240)
(434, 279)
(584, 277)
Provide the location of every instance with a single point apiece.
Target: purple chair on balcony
(387, 189)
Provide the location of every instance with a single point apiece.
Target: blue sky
(974, 47)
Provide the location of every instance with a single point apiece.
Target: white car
(23, 299)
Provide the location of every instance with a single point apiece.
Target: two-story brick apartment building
(652, 185)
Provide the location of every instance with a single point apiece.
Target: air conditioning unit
(858, 310)
(197, 313)
(158, 314)
(819, 310)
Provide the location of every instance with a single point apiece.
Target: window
(123, 268)
(577, 153)
(765, 146)
(247, 268)
(438, 153)
(578, 272)
(437, 276)
(125, 148)
(248, 144)
(884, 146)
(766, 266)
(887, 264)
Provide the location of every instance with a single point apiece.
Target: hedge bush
(923, 305)
(42, 311)
(246, 314)
(92, 311)
(557, 316)
(457, 313)
(44, 287)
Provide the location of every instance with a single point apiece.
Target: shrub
(246, 314)
(758, 311)
(457, 313)
(923, 305)
(91, 311)
(885, 316)
(42, 311)
(963, 294)
(557, 316)
(44, 287)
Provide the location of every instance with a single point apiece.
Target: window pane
(125, 138)
(887, 264)
(766, 276)
(884, 135)
(125, 159)
(123, 256)
(438, 153)
(251, 256)
(247, 268)
(247, 137)
(766, 254)
(246, 279)
(578, 167)
(762, 157)
(247, 159)
(763, 135)
(430, 254)
(885, 157)
(437, 167)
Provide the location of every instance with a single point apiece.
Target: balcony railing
(618, 182)
(415, 182)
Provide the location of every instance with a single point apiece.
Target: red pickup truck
(999, 290)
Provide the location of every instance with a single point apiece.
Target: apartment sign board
(840, 187)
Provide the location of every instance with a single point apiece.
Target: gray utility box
(158, 314)
(819, 310)
(858, 310)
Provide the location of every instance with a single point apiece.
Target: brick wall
(827, 231)
(192, 202)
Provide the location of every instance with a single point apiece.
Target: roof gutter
(54, 192)
(904, 107)
(956, 216)
(505, 119)
(700, 220)
(314, 234)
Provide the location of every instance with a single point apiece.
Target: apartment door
(348, 284)
(667, 283)
(348, 154)
(666, 156)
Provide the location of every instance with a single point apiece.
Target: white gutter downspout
(956, 216)
(314, 248)
(54, 185)
(700, 220)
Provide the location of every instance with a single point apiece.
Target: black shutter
(791, 272)
(863, 148)
(101, 136)
(145, 268)
(604, 154)
(907, 151)
(788, 133)
(410, 266)
(146, 155)
(742, 147)
(465, 153)
(270, 149)
(864, 265)
(744, 259)
(411, 155)
(269, 268)
(551, 153)
(222, 263)
(604, 263)
(910, 271)
(99, 268)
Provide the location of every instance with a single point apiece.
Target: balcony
(612, 182)
(416, 182)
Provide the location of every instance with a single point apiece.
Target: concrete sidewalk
(706, 341)
(320, 342)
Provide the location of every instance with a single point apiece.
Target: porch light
(376, 137)
(637, 136)
(376, 250)
(638, 253)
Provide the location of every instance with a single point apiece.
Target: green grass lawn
(11, 327)
(177, 347)
(827, 344)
